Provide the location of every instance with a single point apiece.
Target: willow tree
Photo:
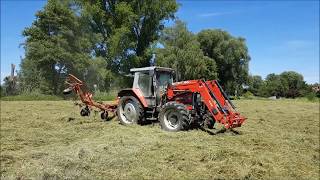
(55, 45)
(181, 51)
(230, 55)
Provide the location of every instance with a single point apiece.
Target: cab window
(144, 83)
(163, 79)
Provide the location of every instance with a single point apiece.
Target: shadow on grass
(215, 131)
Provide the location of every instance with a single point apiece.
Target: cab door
(163, 79)
(143, 80)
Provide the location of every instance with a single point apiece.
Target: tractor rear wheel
(174, 117)
(130, 110)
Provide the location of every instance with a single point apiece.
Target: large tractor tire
(174, 117)
(130, 110)
(208, 121)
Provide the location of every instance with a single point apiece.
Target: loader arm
(216, 101)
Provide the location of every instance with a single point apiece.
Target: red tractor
(177, 106)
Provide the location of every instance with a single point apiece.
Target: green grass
(99, 96)
(105, 96)
(49, 140)
(32, 97)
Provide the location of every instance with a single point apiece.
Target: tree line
(100, 40)
(288, 84)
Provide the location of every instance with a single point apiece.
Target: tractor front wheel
(174, 117)
(130, 110)
(208, 121)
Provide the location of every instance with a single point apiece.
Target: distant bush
(248, 95)
(38, 97)
(31, 96)
(105, 96)
(312, 96)
(288, 84)
(2, 91)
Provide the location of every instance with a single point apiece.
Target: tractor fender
(133, 92)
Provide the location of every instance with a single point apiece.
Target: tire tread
(182, 109)
(140, 109)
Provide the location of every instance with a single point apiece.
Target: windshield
(163, 79)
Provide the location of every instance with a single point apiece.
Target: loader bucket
(235, 120)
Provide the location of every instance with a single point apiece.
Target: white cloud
(297, 43)
(294, 46)
(213, 14)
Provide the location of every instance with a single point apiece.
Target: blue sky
(281, 35)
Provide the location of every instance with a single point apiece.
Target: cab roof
(151, 68)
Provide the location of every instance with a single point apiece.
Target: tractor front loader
(177, 106)
(206, 101)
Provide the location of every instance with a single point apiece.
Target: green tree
(93, 39)
(182, 52)
(2, 91)
(313, 88)
(273, 86)
(10, 86)
(124, 29)
(296, 86)
(288, 84)
(230, 55)
(254, 83)
(97, 75)
(55, 46)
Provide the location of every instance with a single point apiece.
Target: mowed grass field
(50, 140)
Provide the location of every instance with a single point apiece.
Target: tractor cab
(152, 82)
